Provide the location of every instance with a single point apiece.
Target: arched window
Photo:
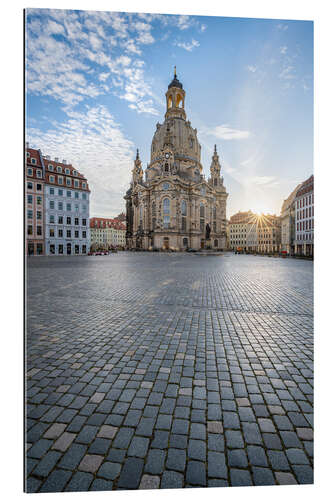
(215, 182)
(202, 217)
(166, 167)
(185, 242)
(184, 214)
(170, 101)
(166, 213)
(179, 100)
(216, 243)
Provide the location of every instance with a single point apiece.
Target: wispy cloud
(282, 27)
(251, 68)
(226, 133)
(189, 46)
(96, 145)
(283, 49)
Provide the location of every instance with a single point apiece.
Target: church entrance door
(202, 245)
(166, 243)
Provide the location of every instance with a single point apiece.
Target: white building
(66, 201)
(107, 233)
(304, 218)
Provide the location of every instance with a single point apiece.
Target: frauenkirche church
(171, 205)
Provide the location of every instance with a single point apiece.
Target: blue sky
(95, 91)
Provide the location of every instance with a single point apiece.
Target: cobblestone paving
(168, 371)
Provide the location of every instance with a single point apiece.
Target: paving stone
(32, 484)
(171, 479)
(138, 447)
(176, 459)
(305, 433)
(237, 458)
(217, 465)
(39, 448)
(240, 477)
(266, 425)
(47, 463)
(101, 485)
(80, 482)
(215, 427)
(109, 470)
(285, 478)
(262, 476)
(90, 463)
(278, 460)
(303, 473)
(100, 446)
(73, 456)
(161, 439)
(107, 431)
(198, 431)
(55, 431)
(56, 481)
(215, 442)
(197, 449)
(290, 439)
(131, 472)
(123, 437)
(196, 473)
(297, 456)
(149, 482)
(257, 456)
(64, 441)
(234, 439)
(155, 462)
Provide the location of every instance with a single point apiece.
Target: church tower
(215, 170)
(175, 99)
(137, 172)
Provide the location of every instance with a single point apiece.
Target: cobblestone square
(168, 370)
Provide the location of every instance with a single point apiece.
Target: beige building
(107, 233)
(171, 205)
(288, 223)
(254, 233)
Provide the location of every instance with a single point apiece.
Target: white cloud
(251, 68)
(95, 144)
(184, 22)
(226, 133)
(283, 50)
(288, 73)
(282, 27)
(188, 46)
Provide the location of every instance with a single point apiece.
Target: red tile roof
(101, 223)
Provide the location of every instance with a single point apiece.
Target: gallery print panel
(169, 243)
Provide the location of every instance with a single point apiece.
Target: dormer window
(84, 185)
(75, 172)
(33, 161)
(50, 167)
(67, 171)
(59, 169)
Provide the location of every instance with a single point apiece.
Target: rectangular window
(39, 174)
(60, 233)
(76, 221)
(68, 207)
(51, 190)
(76, 234)
(39, 248)
(60, 219)
(29, 199)
(60, 205)
(39, 215)
(84, 234)
(60, 249)
(29, 185)
(84, 196)
(30, 172)
(29, 229)
(68, 181)
(39, 200)
(77, 195)
(51, 219)
(52, 249)
(84, 249)
(51, 178)
(76, 207)
(52, 204)
(50, 167)
(76, 183)
(166, 221)
(38, 187)
(84, 208)
(68, 233)
(60, 179)
(60, 192)
(51, 232)
(59, 169)
(69, 194)
(30, 214)
(77, 249)
(68, 220)
(84, 185)
(39, 230)
(84, 222)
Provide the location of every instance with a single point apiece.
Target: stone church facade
(171, 205)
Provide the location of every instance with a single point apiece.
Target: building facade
(34, 202)
(255, 233)
(107, 233)
(288, 223)
(66, 199)
(304, 218)
(171, 205)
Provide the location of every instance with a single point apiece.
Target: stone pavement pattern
(168, 371)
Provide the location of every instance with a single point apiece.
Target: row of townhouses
(292, 232)
(107, 233)
(57, 207)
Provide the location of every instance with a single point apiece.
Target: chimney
(56, 159)
(48, 157)
(27, 145)
(64, 162)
